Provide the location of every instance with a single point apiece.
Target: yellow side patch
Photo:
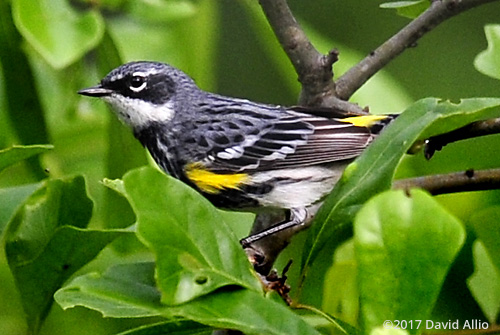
(363, 121)
(211, 182)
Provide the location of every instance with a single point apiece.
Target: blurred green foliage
(50, 49)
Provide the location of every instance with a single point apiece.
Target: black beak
(96, 91)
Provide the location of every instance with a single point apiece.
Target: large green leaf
(373, 171)
(46, 242)
(404, 246)
(488, 61)
(196, 252)
(18, 153)
(58, 32)
(244, 310)
(128, 290)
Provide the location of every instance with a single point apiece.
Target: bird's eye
(137, 83)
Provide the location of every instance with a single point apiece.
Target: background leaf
(488, 61)
(21, 106)
(409, 9)
(55, 30)
(196, 253)
(45, 243)
(485, 224)
(11, 198)
(16, 154)
(485, 282)
(404, 246)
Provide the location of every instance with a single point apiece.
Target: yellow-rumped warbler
(239, 154)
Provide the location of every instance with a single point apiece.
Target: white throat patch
(137, 113)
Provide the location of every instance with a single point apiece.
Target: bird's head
(143, 92)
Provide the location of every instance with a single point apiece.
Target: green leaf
(485, 225)
(123, 291)
(488, 61)
(128, 290)
(484, 284)
(45, 243)
(373, 171)
(11, 198)
(115, 185)
(244, 310)
(196, 252)
(409, 9)
(340, 287)
(60, 34)
(404, 246)
(18, 153)
(175, 327)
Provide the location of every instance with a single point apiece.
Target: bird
(239, 154)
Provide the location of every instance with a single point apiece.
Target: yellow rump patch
(364, 121)
(211, 182)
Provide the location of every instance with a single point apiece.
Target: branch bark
(465, 181)
(314, 70)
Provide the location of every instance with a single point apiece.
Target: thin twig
(465, 181)
(475, 129)
(439, 11)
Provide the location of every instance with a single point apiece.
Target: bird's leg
(295, 217)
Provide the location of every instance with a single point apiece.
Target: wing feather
(247, 136)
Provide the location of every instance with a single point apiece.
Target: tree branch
(439, 11)
(314, 70)
(465, 181)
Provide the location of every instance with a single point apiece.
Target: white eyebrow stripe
(139, 74)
